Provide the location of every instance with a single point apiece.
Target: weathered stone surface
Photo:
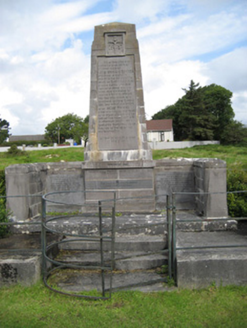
(210, 181)
(117, 126)
(132, 180)
(24, 269)
(221, 266)
(175, 176)
(151, 180)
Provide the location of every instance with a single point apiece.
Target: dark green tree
(202, 113)
(195, 122)
(217, 101)
(66, 127)
(4, 130)
(234, 133)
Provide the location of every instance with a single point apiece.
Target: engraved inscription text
(117, 123)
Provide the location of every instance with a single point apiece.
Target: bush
(237, 203)
(24, 142)
(3, 212)
(14, 151)
(3, 218)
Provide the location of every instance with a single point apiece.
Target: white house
(159, 130)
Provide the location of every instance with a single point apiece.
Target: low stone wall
(148, 180)
(180, 144)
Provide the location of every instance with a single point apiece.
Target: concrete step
(74, 281)
(123, 260)
(123, 242)
(20, 258)
(128, 224)
(197, 268)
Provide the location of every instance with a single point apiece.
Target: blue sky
(45, 53)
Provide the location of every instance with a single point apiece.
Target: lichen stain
(8, 273)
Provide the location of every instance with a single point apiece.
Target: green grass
(37, 306)
(43, 156)
(234, 156)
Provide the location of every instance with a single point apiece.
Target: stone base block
(21, 269)
(199, 268)
(203, 270)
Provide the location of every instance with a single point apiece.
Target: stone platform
(199, 268)
(196, 268)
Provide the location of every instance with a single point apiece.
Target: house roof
(159, 125)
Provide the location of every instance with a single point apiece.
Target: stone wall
(210, 177)
(179, 144)
(147, 179)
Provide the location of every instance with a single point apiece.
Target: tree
(217, 101)
(234, 133)
(66, 127)
(4, 130)
(202, 113)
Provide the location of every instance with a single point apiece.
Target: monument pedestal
(123, 155)
(133, 182)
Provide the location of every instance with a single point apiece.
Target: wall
(129, 179)
(180, 144)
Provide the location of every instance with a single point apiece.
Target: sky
(45, 50)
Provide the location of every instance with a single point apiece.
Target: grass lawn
(234, 156)
(43, 156)
(37, 306)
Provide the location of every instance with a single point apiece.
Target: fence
(104, 212)
(100, 210)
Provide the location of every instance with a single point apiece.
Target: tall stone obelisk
(117, 124)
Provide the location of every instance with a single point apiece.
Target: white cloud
(239, 103)
(186, 37)
(163, 84)
(230, 70)
(42, 79)
(135, 11)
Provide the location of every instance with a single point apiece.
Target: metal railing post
(43, 237)
(174, 241)
(169, 231)
(101, 249)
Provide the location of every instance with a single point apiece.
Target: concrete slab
(123, 242)
(85, 281)
(134, 261)
(90, 224)
(202, 267)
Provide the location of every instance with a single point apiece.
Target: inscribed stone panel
(117, 122)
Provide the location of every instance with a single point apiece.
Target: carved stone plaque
(117, 123)
(115, 44)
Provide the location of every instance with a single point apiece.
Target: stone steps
(126, 261)
(130, 242)
(132, 246)
(72, 281)
(123, 242)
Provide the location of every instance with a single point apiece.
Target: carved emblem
(115, 44)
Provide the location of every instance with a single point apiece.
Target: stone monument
(118, 157)
(117, 125)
